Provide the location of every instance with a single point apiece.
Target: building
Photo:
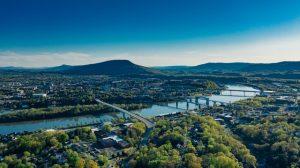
(39, 95)
(113, 140)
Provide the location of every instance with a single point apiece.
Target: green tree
(103, 160)
(91, 164)
(192, 161)
(3, 165)
(222, 161)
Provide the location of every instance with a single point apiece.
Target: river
(152, 111)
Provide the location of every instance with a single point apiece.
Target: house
(95, 130)
(107, 142)
(267, 93)
(220, 120)
(128, 124)
(123, 144)
(114, 140)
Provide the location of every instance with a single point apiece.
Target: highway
(147, 122)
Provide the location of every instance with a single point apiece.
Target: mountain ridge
(237, 67)
(112, 67)
(126, 67)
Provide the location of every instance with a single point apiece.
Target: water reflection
(154, 110)
(54, 123)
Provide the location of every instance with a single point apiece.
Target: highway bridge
(237, 90)
(207, 100)
(147, 122)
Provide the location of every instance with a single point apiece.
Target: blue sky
(148, 32)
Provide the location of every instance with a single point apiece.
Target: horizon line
(157, 66)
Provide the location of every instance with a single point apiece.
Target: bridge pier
(176, 104)
(214, 103)
(207, 101)
(187, 105)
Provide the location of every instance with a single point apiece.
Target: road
(147, 122)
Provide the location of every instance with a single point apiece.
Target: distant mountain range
(237, 67)
(125, 67)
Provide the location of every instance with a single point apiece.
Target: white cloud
(259, 47)
(9, 58)
(269, 49)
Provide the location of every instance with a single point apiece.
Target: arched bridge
(147, 122)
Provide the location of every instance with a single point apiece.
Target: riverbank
(61, 112)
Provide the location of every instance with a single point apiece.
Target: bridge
(237, 90)
(207, 101)
(167, 105)
(147, 122)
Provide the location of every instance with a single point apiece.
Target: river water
(5, 112)
(152, 111)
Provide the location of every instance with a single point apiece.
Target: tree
(3, 165)
(174, 137)
(63, 137)
(54, 142)
(222, 161)
(91, 164)
(192, 161)
(139, 128)
(107, 128)
(103, 160)
(26, 154)
(284, 153)
(79, 163)
(56, 166)
(164, 156)
(74, 159)
(210, 85)
(76, 139)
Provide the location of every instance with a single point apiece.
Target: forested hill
(280, 66)
(114, 67)
(220, 67)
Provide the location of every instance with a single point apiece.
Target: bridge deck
(237, 90)
(213, 101)
(147, 122)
